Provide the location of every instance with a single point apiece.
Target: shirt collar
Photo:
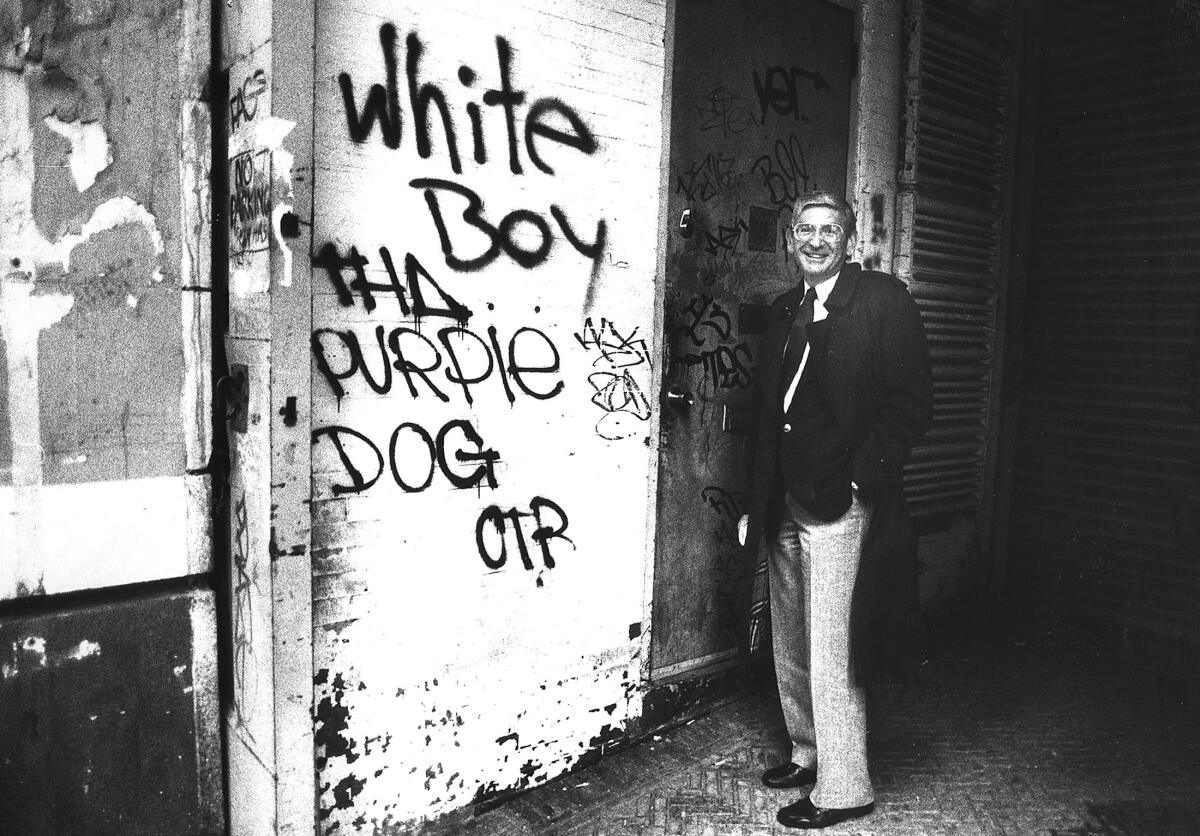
(825, 288)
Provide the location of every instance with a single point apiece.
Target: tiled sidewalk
(998, 739)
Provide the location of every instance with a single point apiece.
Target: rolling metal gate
(952, 205)
(1108, 452)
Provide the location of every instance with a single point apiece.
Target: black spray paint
(382, 105)
(353, 448)
(500, 522)
(502, 238)
(339, 356)
(779, 90)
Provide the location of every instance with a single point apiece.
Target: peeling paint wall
(110, 722)
(104, 393)
(484, 390)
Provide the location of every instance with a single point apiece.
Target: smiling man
(844, 390)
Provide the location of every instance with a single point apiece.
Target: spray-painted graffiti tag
(493, 524)
(726, 367)
(702, 312)
(786, 173)
(726, 111)
(615, 389)
(779, 90)
(405, 329)
(726, 569)
(502, 238)
(414, 277)
(415, 441)
(464, 358)
(726, 241)
(705, 179)
(250, 202)
(243, 103)
(244, 678)
(704, 341)
(382, 105)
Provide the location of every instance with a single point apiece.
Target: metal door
(760, 114)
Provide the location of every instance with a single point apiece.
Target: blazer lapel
(784, 311)
(847, 283)
(838, 307)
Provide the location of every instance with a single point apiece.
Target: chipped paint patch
(344, 793)
(332, 721)
(36, 647)
(110, 214)
(91, 152)
(267, 132)
(31, 654)
(184, 679)
(27, 654)
(246, 280)
(84, 650)
(458, 746)
(285, 279)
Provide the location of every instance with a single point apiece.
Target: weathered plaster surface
(115, 212)
(93, 233)
(90, 151)
(478, 605)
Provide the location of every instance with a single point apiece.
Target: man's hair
(829, 200)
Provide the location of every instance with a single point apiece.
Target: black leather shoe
(788, 775)
(808, 816)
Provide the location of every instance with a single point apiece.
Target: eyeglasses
(828, 232)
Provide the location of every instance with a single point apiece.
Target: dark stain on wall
(879, 232)
(332, 721)
(343, 794)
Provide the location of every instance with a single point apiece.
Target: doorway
(760, 114)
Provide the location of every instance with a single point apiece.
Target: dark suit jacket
(873, 369)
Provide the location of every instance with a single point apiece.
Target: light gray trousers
(812, 565)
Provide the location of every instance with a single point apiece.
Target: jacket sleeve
(906, 389)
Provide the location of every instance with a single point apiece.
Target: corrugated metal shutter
(1108, 457)
(951, 209)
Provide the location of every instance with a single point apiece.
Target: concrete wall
(104, 420)
(104, 273)
(483, 393)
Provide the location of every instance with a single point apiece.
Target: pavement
(992, 736)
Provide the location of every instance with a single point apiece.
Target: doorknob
(680, 398)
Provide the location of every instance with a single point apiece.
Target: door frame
(871, 187)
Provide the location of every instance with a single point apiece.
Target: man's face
(819, 243)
